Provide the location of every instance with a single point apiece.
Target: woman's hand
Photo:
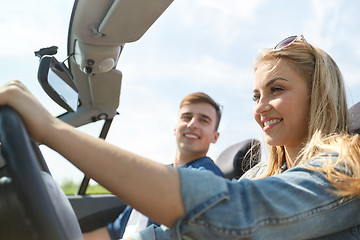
(35, 117)
(131, 177)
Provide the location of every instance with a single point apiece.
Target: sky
(196, 45)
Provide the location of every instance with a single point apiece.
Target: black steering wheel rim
(38, 194)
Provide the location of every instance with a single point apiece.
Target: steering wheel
(32, 206)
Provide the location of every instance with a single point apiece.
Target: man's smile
(191, 135)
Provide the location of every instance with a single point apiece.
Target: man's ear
(215, 137)
(174, 131)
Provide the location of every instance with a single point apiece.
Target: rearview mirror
(56, 80)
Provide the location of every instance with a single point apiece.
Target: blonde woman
(309, 189)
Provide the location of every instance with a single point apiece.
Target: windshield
(206, 46)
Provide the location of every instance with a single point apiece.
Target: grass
(71, 188)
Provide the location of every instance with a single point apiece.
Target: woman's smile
(269, 124)
(282, 104)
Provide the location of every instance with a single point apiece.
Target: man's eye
(187, 118)
(204, 120)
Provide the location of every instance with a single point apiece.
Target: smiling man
(196, 128)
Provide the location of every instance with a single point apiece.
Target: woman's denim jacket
(296, 204)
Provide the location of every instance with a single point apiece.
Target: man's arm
(131, 177)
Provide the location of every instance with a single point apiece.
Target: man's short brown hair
(200, 97)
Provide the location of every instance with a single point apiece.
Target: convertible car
(88, 86)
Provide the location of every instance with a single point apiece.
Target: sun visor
(128, 20)
(108, 22)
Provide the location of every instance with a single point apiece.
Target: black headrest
(354, 118)
(238, 158)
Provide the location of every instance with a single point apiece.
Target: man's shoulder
(201, 162)
(205, 163)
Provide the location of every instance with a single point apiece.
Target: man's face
(195, 129)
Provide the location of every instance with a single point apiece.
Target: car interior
(32, 205)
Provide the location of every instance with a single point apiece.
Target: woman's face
(282, 104)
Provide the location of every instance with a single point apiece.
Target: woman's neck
(291, 153)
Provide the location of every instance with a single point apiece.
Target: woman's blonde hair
(328, 108)
(343, 171)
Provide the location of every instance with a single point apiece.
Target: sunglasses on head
(288, 41)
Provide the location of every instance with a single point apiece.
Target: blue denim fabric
(296, 204)
(204, 163)
(116, 229)
(152, 232)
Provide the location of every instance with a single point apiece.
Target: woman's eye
(275, 89)
(256, 97)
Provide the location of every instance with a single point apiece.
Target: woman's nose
(262, 106)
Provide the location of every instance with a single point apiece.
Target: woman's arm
(150, 187)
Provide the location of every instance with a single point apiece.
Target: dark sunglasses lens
(285, 42)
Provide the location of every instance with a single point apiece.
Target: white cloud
(196, 45)
(218, 20)
(27, 27)
(145, 126)
(202, 71)
(243, 9)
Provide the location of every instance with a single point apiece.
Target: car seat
(235, 160)
(354, 118)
